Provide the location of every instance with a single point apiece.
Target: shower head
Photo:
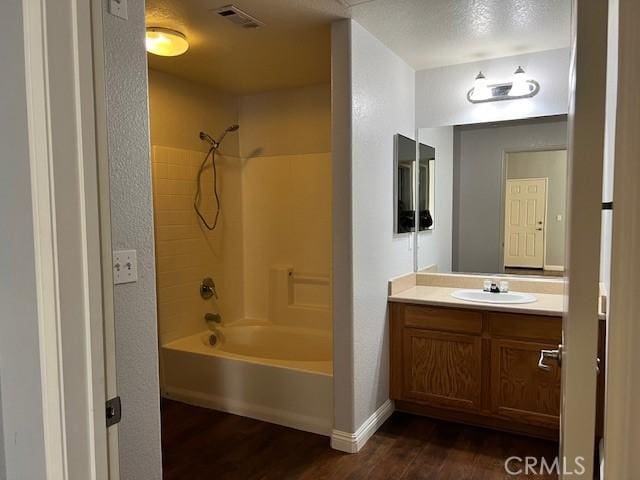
(216, 143)
(207, 138)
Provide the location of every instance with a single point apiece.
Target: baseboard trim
(257, 412)
(554, 268)
(353, 442)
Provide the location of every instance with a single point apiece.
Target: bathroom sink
(481, 296)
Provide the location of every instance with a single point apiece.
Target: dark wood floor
(198, 443)
(533, 272)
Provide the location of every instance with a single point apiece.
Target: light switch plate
(125, 266)
(118, 8)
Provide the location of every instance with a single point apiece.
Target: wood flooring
(199, 443)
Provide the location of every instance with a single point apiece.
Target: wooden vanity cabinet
(476, 367)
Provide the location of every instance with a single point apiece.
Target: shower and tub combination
(277, 367)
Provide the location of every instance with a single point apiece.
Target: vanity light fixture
(165, 42)
(480, 92)
(519, 87)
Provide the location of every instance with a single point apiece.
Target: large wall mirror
(404, 183)
(500, 190)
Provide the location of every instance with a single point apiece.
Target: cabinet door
(442, 369)
(519, 389)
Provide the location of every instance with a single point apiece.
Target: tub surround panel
(286, 215)
(186, 252)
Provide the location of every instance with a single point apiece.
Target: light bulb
(165, 42)
(519, 87)
(480, 89)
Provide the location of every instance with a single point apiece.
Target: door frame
(64, 140)
(623, 380)
(503, 190)
(584, 184)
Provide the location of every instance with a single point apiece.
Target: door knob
(555, 355)
(539, 229)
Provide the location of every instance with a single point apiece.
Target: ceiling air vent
(237, 16)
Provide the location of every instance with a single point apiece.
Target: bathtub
(279, 374)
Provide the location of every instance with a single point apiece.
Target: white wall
(21, 422)
(435, 246)
(132, 228)
(441, 93)
(382, 102)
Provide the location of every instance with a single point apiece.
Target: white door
(585, 157)
(525, 207)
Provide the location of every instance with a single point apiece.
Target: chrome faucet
(213, 318)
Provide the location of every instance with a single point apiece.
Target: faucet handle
(208, 289)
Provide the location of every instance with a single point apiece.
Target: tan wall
(180, 109)
(286, 122)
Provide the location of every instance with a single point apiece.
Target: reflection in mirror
(426, 186)
(508, 184)
(404, 171)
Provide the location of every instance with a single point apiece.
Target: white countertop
(545, 304)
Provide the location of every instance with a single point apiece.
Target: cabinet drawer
(533, 327)
(443, 319)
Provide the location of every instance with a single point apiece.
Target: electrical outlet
(125, 266)
(118, 8)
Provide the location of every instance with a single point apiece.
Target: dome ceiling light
(166, 42)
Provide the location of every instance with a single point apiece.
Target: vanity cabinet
(476, 367)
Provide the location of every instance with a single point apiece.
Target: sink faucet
(494, 287)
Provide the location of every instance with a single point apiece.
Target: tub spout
(213, 317)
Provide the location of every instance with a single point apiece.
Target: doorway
(534, 211)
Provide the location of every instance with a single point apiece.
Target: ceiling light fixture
(166, 42)
(519, 87)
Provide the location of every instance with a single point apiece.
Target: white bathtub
(278, 374)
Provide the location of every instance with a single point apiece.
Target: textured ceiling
(434, 33)
(293, 48)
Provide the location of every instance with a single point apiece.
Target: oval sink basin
(481, 296)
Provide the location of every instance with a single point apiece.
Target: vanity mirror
(500, 189)
(426, 186)
(404, 182)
